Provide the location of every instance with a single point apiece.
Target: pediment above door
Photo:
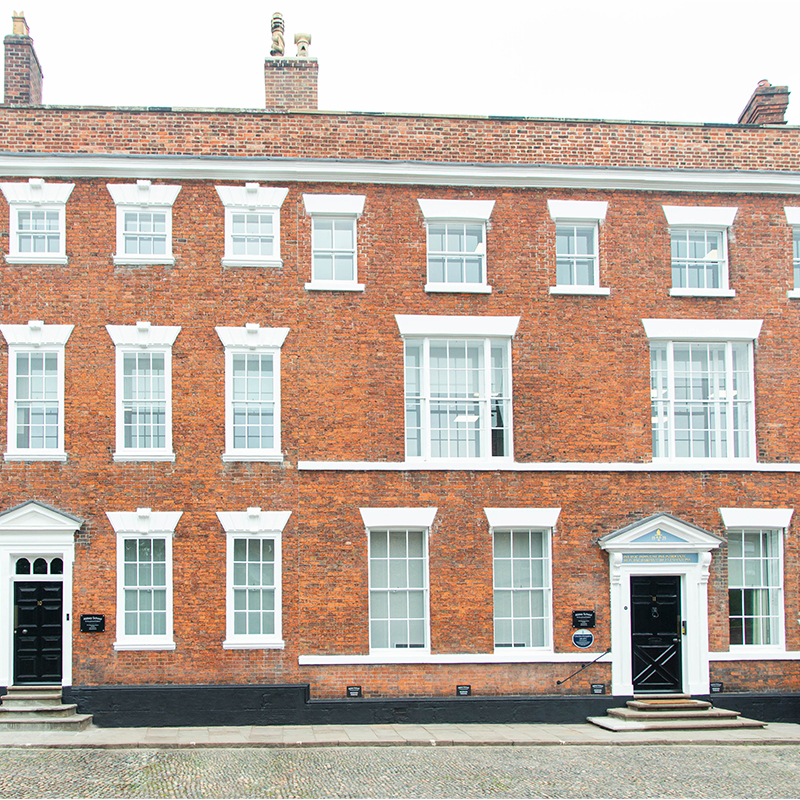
(660, 533)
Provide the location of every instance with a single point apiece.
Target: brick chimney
(290, 83)
(767, 106)
(23, 78)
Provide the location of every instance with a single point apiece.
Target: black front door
(37, 632)
(655, 633)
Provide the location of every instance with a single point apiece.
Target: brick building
(296, 401)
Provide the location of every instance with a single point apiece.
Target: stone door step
(39, 708)
(616, 724)
(700, 713)
(31, 696)
(38, 711)
(671, 712)
(26, 722)
(660, 706)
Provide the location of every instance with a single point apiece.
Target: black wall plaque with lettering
(598, 688)
(354, 691)
(716, 687)
(583, 619)
(93, 623)
(462, 690)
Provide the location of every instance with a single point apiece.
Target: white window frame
(35, 337)
(252, 338)
(490, 330)
(694, 331)
(339, 207)
(776, 520)
(144, 524)
(793, 219)
(707, 218)
(400, 519)
(36, 195)
(143, 196)
(133, 339)
(258, 200)
(538, 520)
(253, 524)
(468, 212)
(584, 214)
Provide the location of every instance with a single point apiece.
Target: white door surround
(35, 530)
(661, 545)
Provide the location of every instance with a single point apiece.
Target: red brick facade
(580, 369)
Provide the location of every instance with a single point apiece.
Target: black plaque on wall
(93, 623)
(354, 691)
(716, 687)
(583, 619)
(463, 690)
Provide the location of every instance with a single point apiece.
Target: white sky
(696, 61)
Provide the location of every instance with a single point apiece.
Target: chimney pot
(302, 40)
(277, 34)
(19, 26)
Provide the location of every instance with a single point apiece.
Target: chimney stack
(767, 106)
(290, 83)
(23, 78)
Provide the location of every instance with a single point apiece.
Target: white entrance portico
(661, 545)
(37, 546)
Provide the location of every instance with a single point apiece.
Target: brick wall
(581, 393)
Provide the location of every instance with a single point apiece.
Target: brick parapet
(326, 135)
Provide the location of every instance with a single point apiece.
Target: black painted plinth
(163, 706)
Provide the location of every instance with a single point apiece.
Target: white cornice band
(26, 165)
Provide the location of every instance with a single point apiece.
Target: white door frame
(661, 545)
(34, 530)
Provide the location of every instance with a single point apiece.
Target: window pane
(755, 586)
(456, 253)
(521, 583)
(397, 560)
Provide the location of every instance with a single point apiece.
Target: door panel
(655, 633)
(38, 632)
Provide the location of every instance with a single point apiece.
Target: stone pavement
(279, 736)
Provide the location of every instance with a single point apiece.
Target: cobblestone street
(535, 771)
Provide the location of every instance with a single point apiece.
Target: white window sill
(463, 288)
(699, 464)
(460, 463)
(143, 456)
(519, 656)
(35, 456)
(232, 644)
(271, 263)
(144, 646)
(702, 292)
(793, 293)
(755, 653)
(588, 290)
(276, 458)
(552, 466)
(334, 286)
(143, 261)
(44, 260)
